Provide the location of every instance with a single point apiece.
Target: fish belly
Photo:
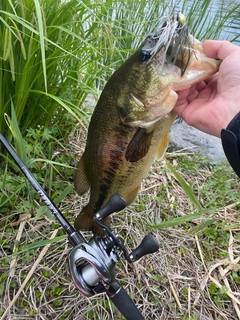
(110, 172)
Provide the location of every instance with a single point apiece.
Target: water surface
(229, 32)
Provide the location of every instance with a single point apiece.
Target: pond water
(228, 33)
(234, 30)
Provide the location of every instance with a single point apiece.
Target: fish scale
(131, 122)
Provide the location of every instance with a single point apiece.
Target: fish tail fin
(84, 221)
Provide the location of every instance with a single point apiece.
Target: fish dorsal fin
(139, 145)
(81, 183)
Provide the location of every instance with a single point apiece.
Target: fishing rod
(91, 264)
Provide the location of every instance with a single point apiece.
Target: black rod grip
(123, 302)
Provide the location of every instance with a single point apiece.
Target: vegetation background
(54, 55)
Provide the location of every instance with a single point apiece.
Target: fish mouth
(170, 43)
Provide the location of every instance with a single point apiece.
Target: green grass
(53, 53)
(178, 249)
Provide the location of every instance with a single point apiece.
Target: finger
(211, 79)
(182, 96)
(192, 96)
(219, 49)
(195, 89)
(179, 108)
(200, 85)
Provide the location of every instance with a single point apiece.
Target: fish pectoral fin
(81, 183)
(139, 145)
(163, 146)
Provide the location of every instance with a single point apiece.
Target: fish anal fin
(85, 222)
(163, 146)
(81, 183)
(139, 145)
(131, 195)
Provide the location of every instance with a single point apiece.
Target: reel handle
(148, 245)
(123, 302)
(115, 203)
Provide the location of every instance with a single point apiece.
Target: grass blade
(187, 188)
(19, 141)
(39, 16)
(176, 221)
(201, 226)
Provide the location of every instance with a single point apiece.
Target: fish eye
(144, 55)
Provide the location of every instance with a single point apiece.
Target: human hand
(211, 104)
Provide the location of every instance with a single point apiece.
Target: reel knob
(148, 245)
(115, 203)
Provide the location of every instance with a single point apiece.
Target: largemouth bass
(130, 125)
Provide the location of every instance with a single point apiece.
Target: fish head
(169, 60)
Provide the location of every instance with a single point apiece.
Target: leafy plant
(43, 50)
(31, 150)
(53, 53)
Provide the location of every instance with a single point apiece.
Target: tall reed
(53, 52)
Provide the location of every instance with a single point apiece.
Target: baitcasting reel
(92, 263)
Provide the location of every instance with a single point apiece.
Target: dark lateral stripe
(101, 198)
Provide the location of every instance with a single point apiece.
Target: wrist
(231, 143)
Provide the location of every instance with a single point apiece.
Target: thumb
(218, 49)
